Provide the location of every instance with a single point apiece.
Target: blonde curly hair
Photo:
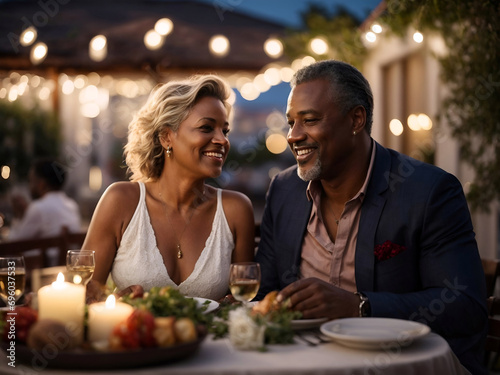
(167, 106)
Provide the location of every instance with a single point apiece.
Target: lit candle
(104, 316)
(65, 303)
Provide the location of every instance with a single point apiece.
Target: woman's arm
(111, 216)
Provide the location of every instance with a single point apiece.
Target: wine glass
(12, 280)
(244, 280)
(81, 265)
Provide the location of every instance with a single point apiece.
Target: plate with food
(270, 304)
(374, 333)
(210, 304)
(86, 358)
(163, 327)
(307, 323)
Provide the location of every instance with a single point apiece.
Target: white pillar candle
(104, 316)
(65, 303)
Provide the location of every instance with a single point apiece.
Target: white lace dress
(138, 260)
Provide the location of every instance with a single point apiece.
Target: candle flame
(110, 302)
(59, 283)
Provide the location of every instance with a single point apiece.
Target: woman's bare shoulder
(235, 197)
(122, 193)
(236, 205)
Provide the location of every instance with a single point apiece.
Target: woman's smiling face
(200, 145)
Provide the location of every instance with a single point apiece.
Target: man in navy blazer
(408, 228)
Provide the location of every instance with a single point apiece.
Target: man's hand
(316, 298)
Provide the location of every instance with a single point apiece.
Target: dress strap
(142, 189)
(219, 199)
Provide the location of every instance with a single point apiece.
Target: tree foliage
(470, 70)
(25, 134)
(340, 29)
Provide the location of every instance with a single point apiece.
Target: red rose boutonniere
(388, 250)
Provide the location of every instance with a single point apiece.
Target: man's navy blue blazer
(438, 279)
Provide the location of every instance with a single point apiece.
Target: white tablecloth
(429, 355)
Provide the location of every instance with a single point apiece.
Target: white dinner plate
(307, 323)
(210, 306)
(374, 333)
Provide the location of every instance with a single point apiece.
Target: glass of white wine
(244, 280)
(12, 280)
(80, 264)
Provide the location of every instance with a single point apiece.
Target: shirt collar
(314, 187)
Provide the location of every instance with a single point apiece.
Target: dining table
(310, 354)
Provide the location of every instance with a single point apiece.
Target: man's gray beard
(312, 173)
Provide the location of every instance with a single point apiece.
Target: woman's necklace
(177, 239)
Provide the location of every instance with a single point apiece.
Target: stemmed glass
(81, 265)
(244, 280)
(12, 280)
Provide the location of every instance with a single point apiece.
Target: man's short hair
(348, 87)
(51, 171)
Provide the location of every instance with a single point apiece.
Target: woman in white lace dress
(167, 226)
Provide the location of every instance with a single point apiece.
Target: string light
(396, 127)
(219, 45)
(273, 47)
(371, 37)
(98, 48)
(38, 53)
(164, 26)
(376, 28)
(153, 40)
(28, 36)
(319, 46)
(418, 37)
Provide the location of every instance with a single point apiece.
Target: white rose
(244, 332)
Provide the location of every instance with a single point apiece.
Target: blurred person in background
(167, 226)
(50, 210)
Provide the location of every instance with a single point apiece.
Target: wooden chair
(45, 276)
(36, 251)
(69, 241)
(491, 269)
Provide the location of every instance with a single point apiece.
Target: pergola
(94, 98)
(67, 27)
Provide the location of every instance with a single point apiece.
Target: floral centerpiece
(251, 328)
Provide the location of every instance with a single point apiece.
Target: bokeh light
(219, 45)
(273, 47)
(28, 36)
(164, 26)
(276, 143)
(38, 53)
(396, 127)
(319, 46)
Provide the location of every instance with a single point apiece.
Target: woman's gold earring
(168, 151)
(354, 132)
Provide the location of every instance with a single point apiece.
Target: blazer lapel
(371, 210)
(299, 218)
